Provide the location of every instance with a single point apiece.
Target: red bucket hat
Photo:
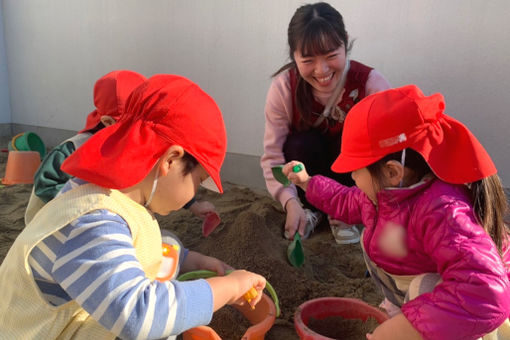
(110, 94)
(166, 110)
(395, 119)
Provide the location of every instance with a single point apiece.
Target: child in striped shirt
(87, 265)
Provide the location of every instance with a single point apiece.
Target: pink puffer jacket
(442, 236)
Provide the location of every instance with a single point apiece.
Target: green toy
(280, 176)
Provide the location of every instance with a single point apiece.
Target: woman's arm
(278, 116)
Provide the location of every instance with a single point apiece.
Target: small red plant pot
(21, 167)
(262, 319)
(322, 308)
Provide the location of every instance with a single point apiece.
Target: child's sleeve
(97, 267)
(49, 178)
(340, 202)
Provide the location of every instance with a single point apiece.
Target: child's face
(365, 182)
(324, 71)
(175, 189)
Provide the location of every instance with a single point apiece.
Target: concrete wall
(5, 107)
(56, 49)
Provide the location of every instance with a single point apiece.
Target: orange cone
(21, 167)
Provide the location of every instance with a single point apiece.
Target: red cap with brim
(392, 120)
(166, 110)
(110, 94)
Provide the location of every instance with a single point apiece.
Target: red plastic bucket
(322, 308)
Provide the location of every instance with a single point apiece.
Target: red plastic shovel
(210, 223)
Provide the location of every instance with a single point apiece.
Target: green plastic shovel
(280, 176)
(295, 252)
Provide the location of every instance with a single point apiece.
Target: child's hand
(230, 289)
(296, 173)
(212, 263)
(396, 328)
(197, 261)
(247, 280)
(201, 208)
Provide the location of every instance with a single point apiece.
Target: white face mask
(154, 185)
(403, 162)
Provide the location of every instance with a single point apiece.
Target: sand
(249, 237)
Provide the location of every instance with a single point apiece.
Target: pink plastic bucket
(321, 308)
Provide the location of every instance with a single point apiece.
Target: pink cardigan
(278, 113)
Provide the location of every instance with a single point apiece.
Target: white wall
(5, 108)
(56, 50)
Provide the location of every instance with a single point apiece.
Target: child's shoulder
(440, 194)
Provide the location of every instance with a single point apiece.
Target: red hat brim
(396, 119)
(107, 158)
(166, 110)
(453, 153)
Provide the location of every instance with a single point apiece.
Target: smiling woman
(322, 71)
(306, 106)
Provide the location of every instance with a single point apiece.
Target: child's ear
(393, 173)
(168, 159)
(107, 120)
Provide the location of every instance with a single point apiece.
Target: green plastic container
(27, 141)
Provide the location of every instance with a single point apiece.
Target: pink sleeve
(340, 202)
(376, 83)
(278, 114)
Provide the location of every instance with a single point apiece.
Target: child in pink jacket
(427, 192)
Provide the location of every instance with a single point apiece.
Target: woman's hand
(295, 220)
(300, 177)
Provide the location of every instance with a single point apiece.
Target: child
(85, 267)
(110, 94)
(433, 207)
(306, 106)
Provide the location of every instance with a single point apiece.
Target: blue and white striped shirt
(92, 261)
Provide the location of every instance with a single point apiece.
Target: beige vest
(24, 313)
